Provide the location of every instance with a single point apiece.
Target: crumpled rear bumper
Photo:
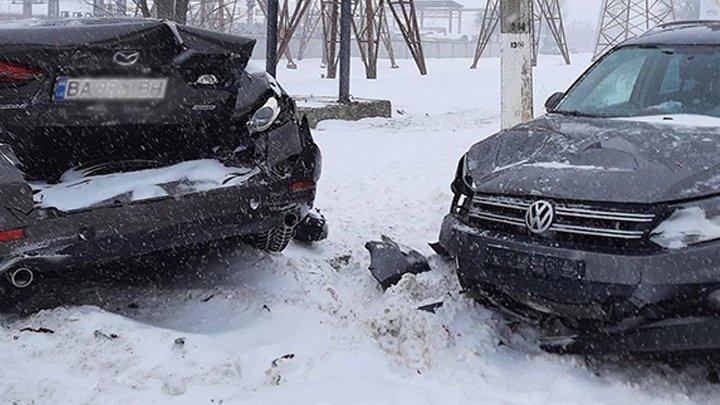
(607, 303)
(54, 238)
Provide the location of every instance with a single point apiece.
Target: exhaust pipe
(291, 221)
(21, 277)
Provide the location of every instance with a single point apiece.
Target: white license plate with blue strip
(92, 89)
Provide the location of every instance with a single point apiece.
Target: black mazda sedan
(121, 137)
(600, 221)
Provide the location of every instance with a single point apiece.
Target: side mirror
(553, 101)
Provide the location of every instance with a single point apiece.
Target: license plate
(109, 89)
(538, 265)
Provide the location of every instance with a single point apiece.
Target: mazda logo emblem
(126, 58)
(539, 216)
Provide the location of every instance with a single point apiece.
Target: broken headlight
(463, 187)
(265, 116)
(689, 224)
(464, 183)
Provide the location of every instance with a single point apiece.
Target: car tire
(274, 240)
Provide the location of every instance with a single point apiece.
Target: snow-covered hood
(599, 160)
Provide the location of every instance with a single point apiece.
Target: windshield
(635, 81)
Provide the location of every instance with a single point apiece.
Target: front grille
(576, 223)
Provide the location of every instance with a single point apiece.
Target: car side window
(618, 85)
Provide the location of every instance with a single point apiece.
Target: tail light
(14, 234)
(302, 185)
(14, 73)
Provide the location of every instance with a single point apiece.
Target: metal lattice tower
(406, 19)
(308, 27)
(218, 15)
(545, 13)
(288, 22)
(624, 19)
(371, 30)
(370, 27)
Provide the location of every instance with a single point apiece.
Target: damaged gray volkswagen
(599, 222)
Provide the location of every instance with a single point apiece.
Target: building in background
(17, 9)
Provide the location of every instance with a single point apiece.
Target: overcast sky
(582, 10)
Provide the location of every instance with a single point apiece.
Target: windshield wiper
(575, 113)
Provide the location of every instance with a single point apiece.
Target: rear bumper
(54, 239)
(611, 303)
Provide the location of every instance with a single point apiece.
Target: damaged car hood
(593, 159)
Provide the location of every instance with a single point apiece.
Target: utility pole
(345, 25)
(272, 38)
(516, 79)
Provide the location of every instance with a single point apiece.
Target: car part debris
(109, 336)
(38, 330)
(339, 262)
(431, 308)
(313, 228)
(438, 248)
(389, 262)
(273, 373)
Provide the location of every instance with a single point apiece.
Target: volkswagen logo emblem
(539, 216)
(126, 58)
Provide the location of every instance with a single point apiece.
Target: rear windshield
(641, 81)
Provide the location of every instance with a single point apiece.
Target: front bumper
(612, 303)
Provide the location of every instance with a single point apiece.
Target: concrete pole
(344, 54)
(27, 8)
(272, 38)
(516, 79)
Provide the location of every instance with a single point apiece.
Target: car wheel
(274, 240)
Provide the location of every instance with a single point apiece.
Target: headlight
(462, 187)
(689, 224)
(466, 176)
(265, 116)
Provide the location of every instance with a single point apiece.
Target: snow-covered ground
(311, 326)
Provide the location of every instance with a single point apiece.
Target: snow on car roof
(681, 33)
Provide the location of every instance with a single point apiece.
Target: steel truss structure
(624, 19)
(218, 15)
(371, 30)
(370, 27)
(545, 13)
(288, 23)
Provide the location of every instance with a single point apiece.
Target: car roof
(77, 22)
(681, 33)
